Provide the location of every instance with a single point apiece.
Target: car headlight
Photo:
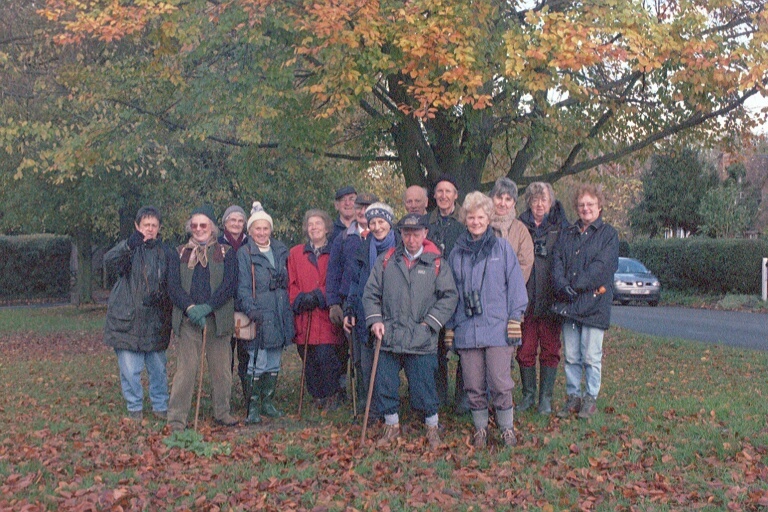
(617, 282)
(655, 283)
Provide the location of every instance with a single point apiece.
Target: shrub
(704, 264)
(34, 266)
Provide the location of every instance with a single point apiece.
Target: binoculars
(540, 248)
(278, 281)
(472, 304)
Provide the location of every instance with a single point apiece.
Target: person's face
(317, 231)
(415, 200)
(345, 205)
(477, 223)
(379, 228)
(260, 231)
(503, 204)
(201, 227)
(235, 224)
(445, 196)
(540, 206)
(588, 209)
(413, 239)
(149, 227)
(360, 215)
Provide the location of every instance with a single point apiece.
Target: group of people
(378, 296)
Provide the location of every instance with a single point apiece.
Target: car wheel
(653, 303)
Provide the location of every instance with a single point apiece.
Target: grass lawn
(681, 426)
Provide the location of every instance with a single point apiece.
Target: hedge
(33, 266)
(704, 264)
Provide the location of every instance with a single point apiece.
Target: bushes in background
(704, 264)
(33, 266)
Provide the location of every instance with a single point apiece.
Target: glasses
(586, 205)
(202, 225)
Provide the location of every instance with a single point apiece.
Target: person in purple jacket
(486, 323)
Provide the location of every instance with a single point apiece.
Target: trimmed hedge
(704, 264)
(33, 266)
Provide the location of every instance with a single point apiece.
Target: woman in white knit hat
(262, 265)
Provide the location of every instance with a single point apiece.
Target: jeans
(583, 350)
(267, 360)
(420, 372)
(131, 365)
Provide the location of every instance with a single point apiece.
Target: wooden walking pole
(370, 389)
(200, 377)
(304, 363)
(352, 373)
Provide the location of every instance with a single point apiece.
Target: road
(735, 328)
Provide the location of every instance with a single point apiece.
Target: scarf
(379, 246)
(234, 242)
(199, 252)
(502, 223)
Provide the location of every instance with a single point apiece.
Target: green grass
(52, 319)
(728, 302)
(682, 425)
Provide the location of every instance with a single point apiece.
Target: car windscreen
(627, 266)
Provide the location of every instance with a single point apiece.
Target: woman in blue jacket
(486, 324)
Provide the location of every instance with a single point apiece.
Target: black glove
(153, 299)
(312, 301)
(570, 293)
(135, 240)
(255, 316)
(299, 303)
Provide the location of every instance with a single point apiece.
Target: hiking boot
(136, 416)
(177, 426)
(433, 437)
(588, 407)
(480, 438)
(227, 421)
(161, 415)
(391, 433)
(572, 406)
(509, 437)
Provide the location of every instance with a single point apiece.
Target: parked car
(632, 281)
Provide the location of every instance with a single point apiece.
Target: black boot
(254, 402)
(246, 384)
(269, 382)
(548, 375)
(528, 379)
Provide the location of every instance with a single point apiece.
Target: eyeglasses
(586, 205)
(202, 225)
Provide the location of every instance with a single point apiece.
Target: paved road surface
(735, 328)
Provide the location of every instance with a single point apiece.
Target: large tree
(532, 90)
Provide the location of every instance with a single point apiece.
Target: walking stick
(200, 377)
(370, 388)
(352, 373)
(304, 362)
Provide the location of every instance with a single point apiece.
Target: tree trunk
(84, 279)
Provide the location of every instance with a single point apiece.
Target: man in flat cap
(344, 202)
(409, 296)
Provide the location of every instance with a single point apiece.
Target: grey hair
(503, 186)
(476, 201)
(315, 212)
(539, 188)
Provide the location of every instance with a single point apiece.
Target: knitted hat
(381, 210)
(447, 177)
(258, 213)
(206, 210)
(344, 191)
(229, 211)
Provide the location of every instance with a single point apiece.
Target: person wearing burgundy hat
(201, 284)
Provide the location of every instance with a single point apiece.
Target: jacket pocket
(120, 307)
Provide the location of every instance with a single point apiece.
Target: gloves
(570, 293)
(514, 333)
(255, 316)
(308, 301)
(153, 299)
(135, 240)
(198, 313)
(299, 303)
(448, 339)
(318, 296)
(336, 315)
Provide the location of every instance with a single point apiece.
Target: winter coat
(143, 278)
(516, 234)
(405, 299)
(338, 228)
(359, 269)
(275, 330)
(586, 261)
(343, 251)
(444, 231)
(541, 290)
(307, 273)
(213, 284)
(495, 273)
